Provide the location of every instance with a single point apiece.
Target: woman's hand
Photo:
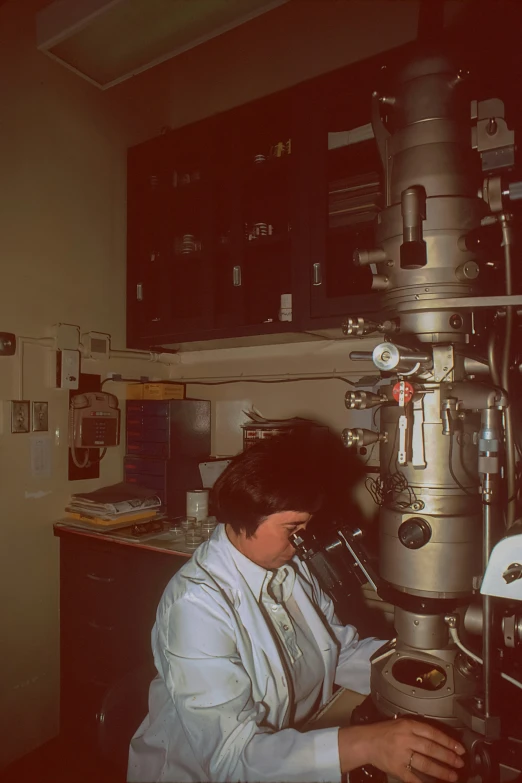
(400, 748)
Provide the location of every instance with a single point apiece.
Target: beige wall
(323, 367)
(62, 236)
(62, 245)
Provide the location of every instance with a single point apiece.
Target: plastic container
(176, 533)
(197, 503)
(193, 539)
(207, 527)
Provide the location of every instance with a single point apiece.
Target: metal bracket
(443, 363)
(403, 432)
(418, 459)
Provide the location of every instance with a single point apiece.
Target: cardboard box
(135, 391)
(163, 391)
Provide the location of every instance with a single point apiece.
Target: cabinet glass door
(188, 279)
(228, 243)
(148, 185)
(267, 210)
(346, 195)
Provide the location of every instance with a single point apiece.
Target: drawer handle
(99, 627)
(97, 578)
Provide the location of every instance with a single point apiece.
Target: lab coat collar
(279, 582)
(253, 574)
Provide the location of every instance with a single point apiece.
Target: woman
(247, 646)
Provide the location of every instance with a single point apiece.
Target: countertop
(157, 541)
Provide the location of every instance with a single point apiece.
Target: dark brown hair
(307, 469)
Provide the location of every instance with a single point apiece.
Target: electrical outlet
(40, 417)
(20, 415)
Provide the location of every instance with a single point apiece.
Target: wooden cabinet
(230, 214)
(109, 593)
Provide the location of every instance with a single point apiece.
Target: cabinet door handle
(317, 275)
(236, 276)
(97, 578)
(139, 292)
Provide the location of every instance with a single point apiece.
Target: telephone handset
(94, 423)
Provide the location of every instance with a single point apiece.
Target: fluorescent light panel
(107, 41)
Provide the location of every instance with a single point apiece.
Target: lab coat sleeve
(353, 666)
(224, 725)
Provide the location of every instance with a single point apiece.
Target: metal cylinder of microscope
(430, 523)
(421, 631)
(431, 202)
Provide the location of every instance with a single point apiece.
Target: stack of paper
(115, 505)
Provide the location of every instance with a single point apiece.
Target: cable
(237, 380)
(281, 380)
(375, 412)
(450, 464)
(492, 362)
(74, 456)
(386, 490)
(119, 379)
(507, 243)
(455, 638)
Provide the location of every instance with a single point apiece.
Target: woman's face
(269, 547)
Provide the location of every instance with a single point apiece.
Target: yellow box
(135, 391)
(163, 391)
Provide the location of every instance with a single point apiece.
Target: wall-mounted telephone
(94, 424)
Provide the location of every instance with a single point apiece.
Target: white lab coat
(219, 706)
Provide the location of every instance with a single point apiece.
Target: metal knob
(360, 400)
(360, 437)
(389, 357)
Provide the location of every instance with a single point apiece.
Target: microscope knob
(414, 533)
